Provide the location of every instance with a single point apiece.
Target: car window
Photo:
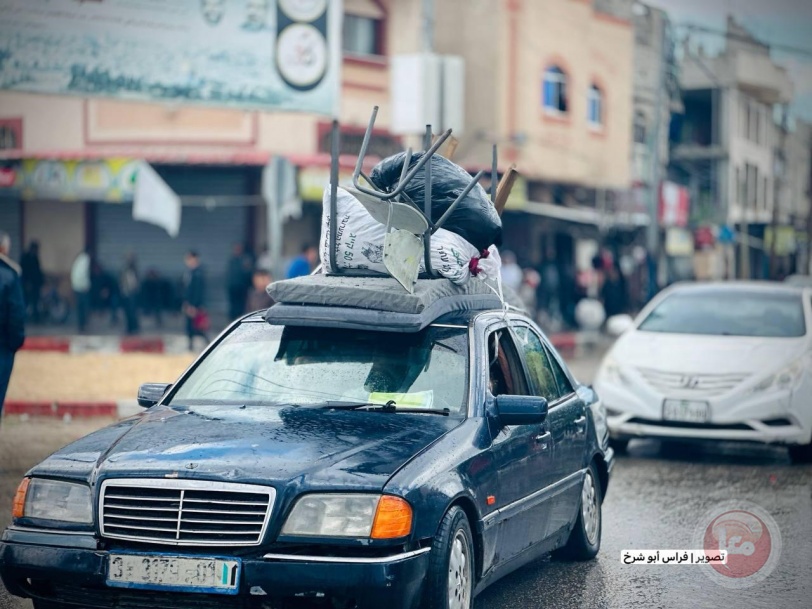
(539, 367)
(561, 378)
(505, 375)
(262, 364)
(729, 312)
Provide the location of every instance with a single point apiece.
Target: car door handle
(544, 439)
(580, 420)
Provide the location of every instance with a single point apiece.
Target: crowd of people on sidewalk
(95, 289)
(551, 292)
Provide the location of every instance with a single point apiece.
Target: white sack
(359, 244)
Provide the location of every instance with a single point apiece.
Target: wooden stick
(504, 187)
(450, 147)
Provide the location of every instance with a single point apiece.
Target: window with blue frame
(554, 92)
(595, 106)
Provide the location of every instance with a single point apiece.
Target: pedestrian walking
(512, 275)
(33, 279)
(12, 315)
(304, 263)
(80, 282)
(238, 278)
(194, 289)
(129, 288)
(258, 297)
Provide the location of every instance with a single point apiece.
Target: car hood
(256, 444)
(689, 353)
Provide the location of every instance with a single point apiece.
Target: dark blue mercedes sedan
(370, 466)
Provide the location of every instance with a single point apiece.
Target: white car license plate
(686, 411)
(179, 573)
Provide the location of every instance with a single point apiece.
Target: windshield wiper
(390, 406)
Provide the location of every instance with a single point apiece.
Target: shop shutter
(210, 232)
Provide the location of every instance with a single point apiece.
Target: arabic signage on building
(107, 180)
(266, 54)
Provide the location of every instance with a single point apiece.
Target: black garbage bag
(475, 218)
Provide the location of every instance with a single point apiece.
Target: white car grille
(694, 385)
(185, 512)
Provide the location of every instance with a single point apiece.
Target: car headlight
(787, 378)
(53, 500)
(610, 372)
(349, 515)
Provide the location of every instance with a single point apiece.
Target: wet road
(657, 498)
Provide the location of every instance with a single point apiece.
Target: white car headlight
(610, 372)
(787, 378)
(57, 500)
(349, 515)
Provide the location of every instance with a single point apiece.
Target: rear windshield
(729, 313)
(262, 364)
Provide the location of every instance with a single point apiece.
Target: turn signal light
(393, 518)
(18, 506)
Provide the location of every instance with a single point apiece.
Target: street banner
(155, 202)
(109, 180)
(260, 54)
(675, 205)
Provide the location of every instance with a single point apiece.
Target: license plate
(686, 411)
(179, 573)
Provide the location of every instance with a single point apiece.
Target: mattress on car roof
(433, 297)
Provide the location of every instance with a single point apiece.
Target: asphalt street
(659, 496)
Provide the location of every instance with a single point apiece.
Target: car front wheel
(450, 577)
(585, 538)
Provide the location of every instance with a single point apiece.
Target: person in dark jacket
(129, 287)
(12, 314)
(239, 280)
(194, 289)
(33, 279)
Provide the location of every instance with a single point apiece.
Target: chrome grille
(185, 512)
(691, 385)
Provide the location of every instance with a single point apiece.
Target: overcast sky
(774, 21)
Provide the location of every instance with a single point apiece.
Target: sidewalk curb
(66, 409)
(69, 409)
(563, 341)
(174, 344)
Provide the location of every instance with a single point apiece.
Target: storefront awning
(585, 215)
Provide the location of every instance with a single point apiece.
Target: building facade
(726, 144)
(549, 81)
(67, 163)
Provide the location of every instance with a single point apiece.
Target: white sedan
(714, 361)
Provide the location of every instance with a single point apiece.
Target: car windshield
(262, 364)
(729, 313)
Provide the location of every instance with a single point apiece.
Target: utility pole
(428, 26)
(653, 228)
(779, 168)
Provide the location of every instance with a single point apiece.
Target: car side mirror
(150, 394)
(521, 409)
(619, 324)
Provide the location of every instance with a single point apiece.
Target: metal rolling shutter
(209, 232)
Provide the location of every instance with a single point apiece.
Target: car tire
(585, 537)
(801, 453)
(451, 571)
(620, 446)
